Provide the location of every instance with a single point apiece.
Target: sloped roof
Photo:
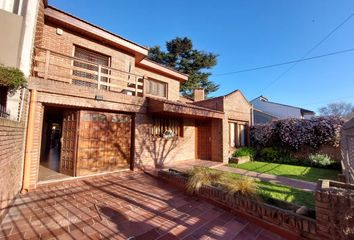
(285, 105)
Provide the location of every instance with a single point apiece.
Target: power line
(309, 51)
(329, 100)
(285, 63)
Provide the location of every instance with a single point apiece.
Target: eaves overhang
(171, 108)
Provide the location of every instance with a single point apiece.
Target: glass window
(242, 135)
(163, 125)
(156, 88)
(237, 134)
(232, 134)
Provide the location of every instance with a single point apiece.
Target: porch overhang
(167, 107)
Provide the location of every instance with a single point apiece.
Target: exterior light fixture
(99, 97)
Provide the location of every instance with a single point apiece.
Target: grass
(269, 190)
(311, 174)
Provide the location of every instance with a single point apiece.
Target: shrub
(262, 134)
(12, 78)
(292, 134)
(321, 160)
(200, 176)
(270, 154)
(245, 185)
(245, 151)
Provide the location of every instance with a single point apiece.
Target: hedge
(293, 134)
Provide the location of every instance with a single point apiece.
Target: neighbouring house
(265, 111)
(17, 27)
(98, 104)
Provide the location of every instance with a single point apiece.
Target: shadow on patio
(120, 206)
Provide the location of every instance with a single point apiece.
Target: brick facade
(236, 108)
(12, 136)
(65, 44)
(156, 151)
(149, 150)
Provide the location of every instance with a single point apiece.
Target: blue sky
(245, 34)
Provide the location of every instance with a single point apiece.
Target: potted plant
(242, 155)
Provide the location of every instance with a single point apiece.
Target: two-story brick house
(97, 104)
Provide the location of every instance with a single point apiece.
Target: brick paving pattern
(123, 205)
(304, 185)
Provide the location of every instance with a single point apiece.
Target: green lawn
(269, 190)
(290, 171)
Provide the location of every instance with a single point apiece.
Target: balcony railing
(60, 67)
(4, 113)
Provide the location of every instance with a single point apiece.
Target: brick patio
(121, 206)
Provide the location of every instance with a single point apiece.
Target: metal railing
(4, 113)
(60, 67)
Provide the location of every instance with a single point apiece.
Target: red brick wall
(40, 25)
(334, 210)
(12, 136)
(151, 151)
(236, 108)
(213, 103)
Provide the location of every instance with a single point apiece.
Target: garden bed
(277, 213)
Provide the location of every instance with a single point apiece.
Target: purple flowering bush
(293, 134)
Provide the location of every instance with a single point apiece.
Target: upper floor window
(156, 88)
(89, 66)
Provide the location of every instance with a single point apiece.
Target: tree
(338, 109)
(181, 56)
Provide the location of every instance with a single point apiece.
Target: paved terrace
(124, 205)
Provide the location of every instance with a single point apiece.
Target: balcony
(51, 65)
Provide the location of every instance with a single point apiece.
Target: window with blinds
(156, 88)
(90, 62)
(163, 124)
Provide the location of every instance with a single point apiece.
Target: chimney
(198, 94)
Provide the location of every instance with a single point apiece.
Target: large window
(90, 62)
(163, 126)
(156, 88)
(238, 133)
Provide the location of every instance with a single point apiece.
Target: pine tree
(181, 56)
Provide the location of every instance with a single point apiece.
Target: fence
(348, 151)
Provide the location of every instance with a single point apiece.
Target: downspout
(29, 142)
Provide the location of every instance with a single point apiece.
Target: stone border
(285, 222)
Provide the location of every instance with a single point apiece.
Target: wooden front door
(69, 143)
(104, 142)
(203, 140)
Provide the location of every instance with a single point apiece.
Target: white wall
(27, 11)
